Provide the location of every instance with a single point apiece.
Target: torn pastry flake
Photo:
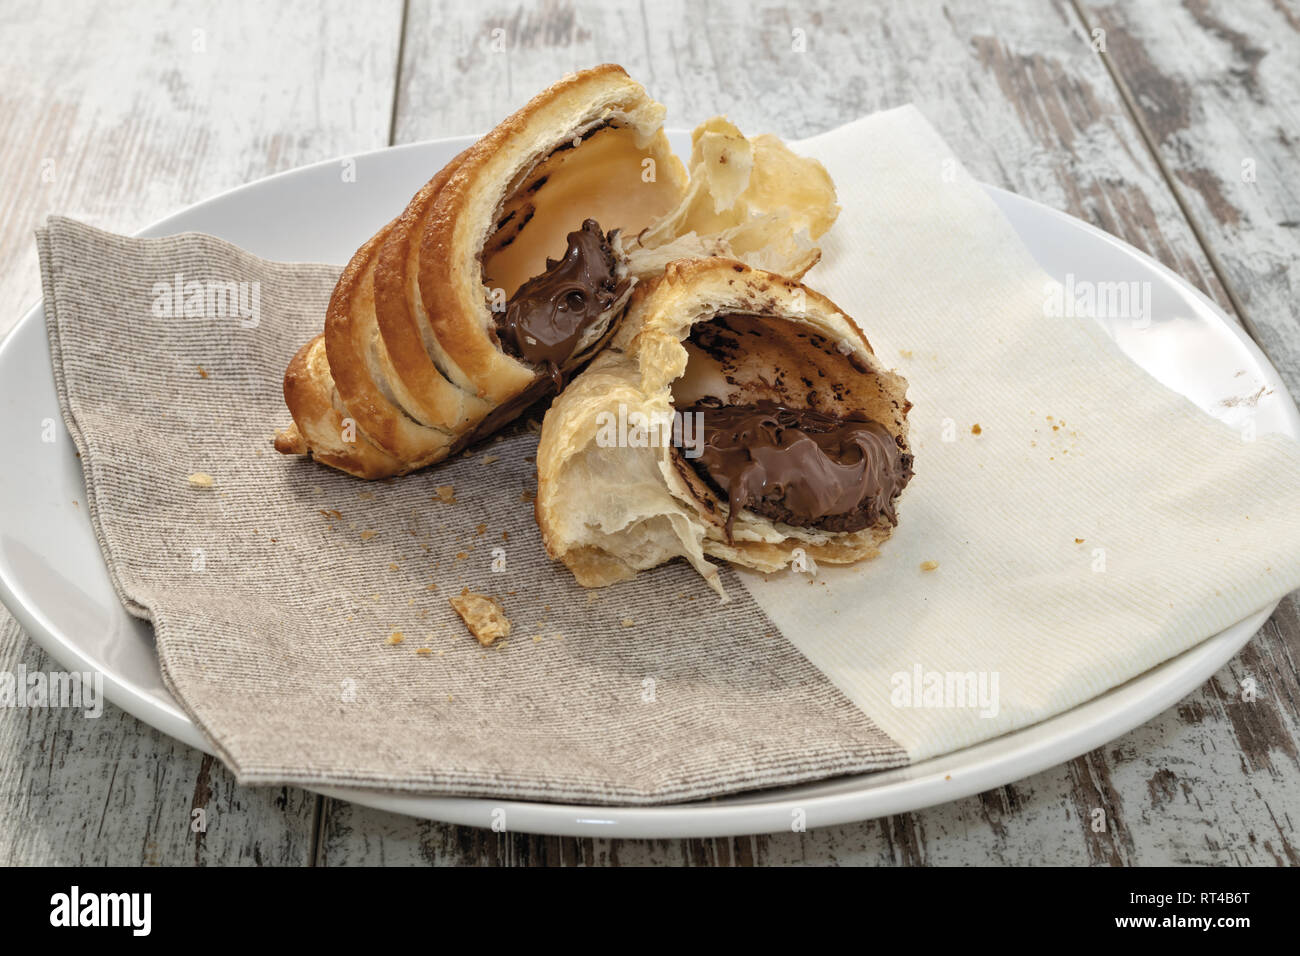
(482, 614)
(751, 199)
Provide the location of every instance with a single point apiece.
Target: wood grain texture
(135, 130)
(1216, 88)
(119, 113)
(1015, 87)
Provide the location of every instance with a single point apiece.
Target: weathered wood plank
(1216, 87)
(118, 114)
(1016, 88)
(1021, 94)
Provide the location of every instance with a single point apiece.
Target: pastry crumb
(483, 615)
(1078, 541)
(628, 622)
(396, 637)
(481, 529)
(200, 480)
(905, 353)
(491, 459)
(445, 494)
(368, 534)
(976, 430)
(203, 373)
(929, 565)
(424, 651)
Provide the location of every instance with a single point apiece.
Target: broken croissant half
(737, 414)
(512, 266)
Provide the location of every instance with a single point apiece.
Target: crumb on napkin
(929, 565)
(200, 480)
(483, 615)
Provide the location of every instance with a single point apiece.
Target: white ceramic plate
(53, 579)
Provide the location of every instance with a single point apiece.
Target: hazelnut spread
(546, 318)
(801, 467)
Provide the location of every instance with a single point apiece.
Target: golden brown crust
(409, 359)
(350, 333)
(432, 397)
(319, 427)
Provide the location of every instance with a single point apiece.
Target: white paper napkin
(1096, 525)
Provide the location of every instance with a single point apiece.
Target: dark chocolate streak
(800, 466)
(548, 315)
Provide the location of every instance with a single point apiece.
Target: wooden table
(1174, 126)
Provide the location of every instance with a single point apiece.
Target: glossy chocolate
(548, 315)
(800, 466)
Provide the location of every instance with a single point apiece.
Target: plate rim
(913, 787)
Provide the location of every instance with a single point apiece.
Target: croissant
(511, 268)
(736, 414)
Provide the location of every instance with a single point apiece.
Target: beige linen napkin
(301, 615)
(278, 594)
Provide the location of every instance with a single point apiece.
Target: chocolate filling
(549, 314)
(799, 466)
